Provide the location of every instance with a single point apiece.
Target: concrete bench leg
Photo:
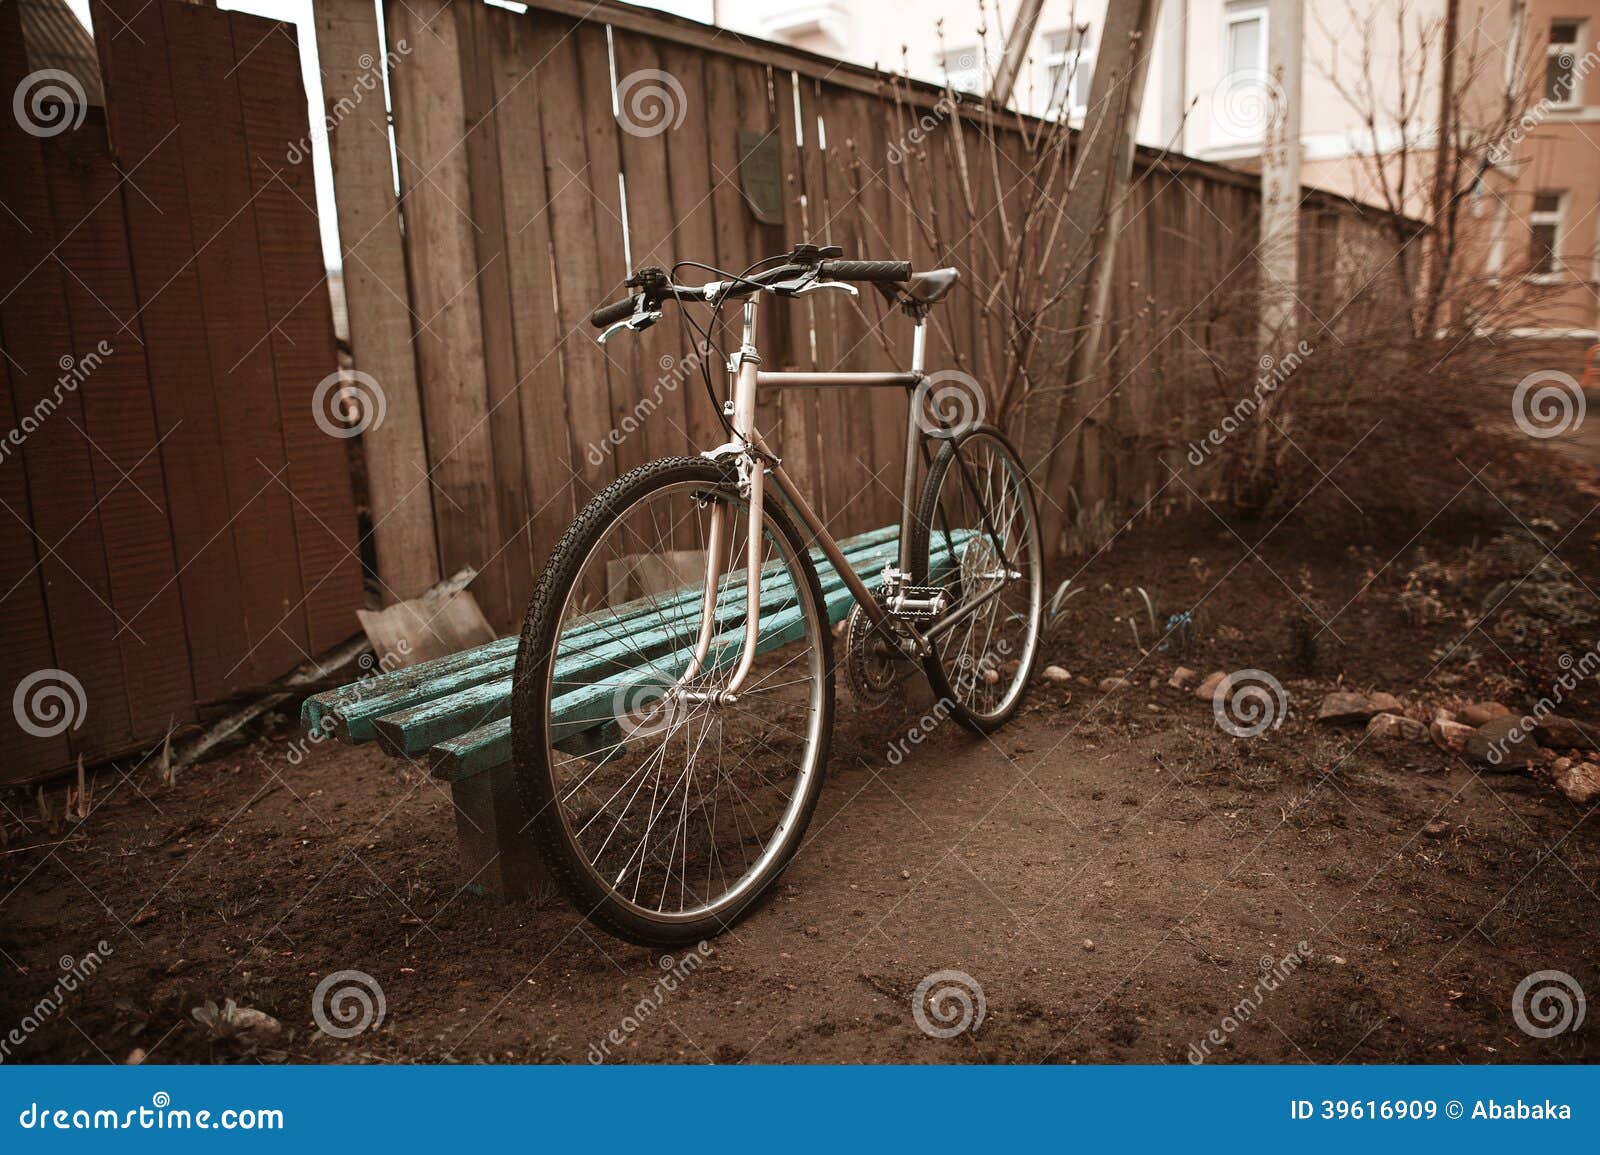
(497, 855)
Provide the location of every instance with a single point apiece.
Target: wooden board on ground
(444, 620)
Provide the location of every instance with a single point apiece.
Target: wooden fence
(531, 175)
(177, 526)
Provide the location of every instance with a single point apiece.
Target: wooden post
(1103, 170)
(1173, 40)
(376, 290)
(1280, 175)
(497, 852)
(1005, 76)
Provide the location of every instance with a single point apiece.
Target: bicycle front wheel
(662, 806)
(976, 534)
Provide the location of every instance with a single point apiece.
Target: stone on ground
(1448, 735)
(1345, 706)
(1478, 713)
(1566, 734)
(1501, 743)
(1579, 782)
(1396, 728)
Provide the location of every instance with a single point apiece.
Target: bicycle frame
(752, 451)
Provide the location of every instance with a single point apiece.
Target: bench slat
(488, 745)
(413, 730)
(352, 710)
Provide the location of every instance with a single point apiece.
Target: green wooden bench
(453, 714)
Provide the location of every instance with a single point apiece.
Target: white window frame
(957, 79)
(1575, 46)
(1238, 12)
(1557, 217)
(1075, 64)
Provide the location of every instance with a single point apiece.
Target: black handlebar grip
(612, 313)
(877, 271)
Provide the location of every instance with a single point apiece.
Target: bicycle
(672, 709)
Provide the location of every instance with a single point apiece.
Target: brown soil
(1111, 869)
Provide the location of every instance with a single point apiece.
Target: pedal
(918, 601)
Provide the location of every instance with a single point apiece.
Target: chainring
(870, 664)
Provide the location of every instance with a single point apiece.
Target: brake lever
(637, 322)
(816, 286)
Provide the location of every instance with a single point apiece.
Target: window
(1245, 47)
(1561, 76)
(1069, 66)
(962, 69)
(1544, 255)
(1242, 101)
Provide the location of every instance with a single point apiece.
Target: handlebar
(873, 272)
(806, 263)
(614, 312)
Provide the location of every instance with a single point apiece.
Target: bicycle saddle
(930, 286)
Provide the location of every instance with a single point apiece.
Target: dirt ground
(1113, 871)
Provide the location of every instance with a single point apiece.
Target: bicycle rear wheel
(663, 809)
(977, 508)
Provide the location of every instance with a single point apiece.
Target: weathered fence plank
(547, 459)
(377, 294)
(119, 423)
(142, 112)
(273, 103)
(227, 258)
(441, 254)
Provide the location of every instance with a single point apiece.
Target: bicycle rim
(977, 515)
(679, 807)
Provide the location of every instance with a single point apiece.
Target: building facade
(1371, 85)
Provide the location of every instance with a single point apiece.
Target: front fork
(752, 483)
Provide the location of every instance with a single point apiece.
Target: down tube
(830, 548)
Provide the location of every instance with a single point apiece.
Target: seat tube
(908, 480)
